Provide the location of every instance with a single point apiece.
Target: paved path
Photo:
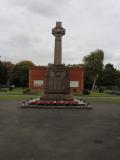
(39, 134)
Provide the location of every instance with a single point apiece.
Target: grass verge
(110, 99)
(95, 96)
(16, 97)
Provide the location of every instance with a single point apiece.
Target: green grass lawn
(16, 91)
(98, 94)
(95, 96)
(16, 97)
(17, 94)
(111, 99)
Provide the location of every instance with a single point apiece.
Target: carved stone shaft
(57, 53)
(58, 32)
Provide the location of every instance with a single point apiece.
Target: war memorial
(56, 82)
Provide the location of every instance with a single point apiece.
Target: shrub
(25, 91)
(86, 92)
(10, 88)
(101, 90)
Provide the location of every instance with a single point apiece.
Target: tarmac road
(51, 134)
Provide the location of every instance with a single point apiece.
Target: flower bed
(56, 103)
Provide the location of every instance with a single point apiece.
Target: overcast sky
(25, 29)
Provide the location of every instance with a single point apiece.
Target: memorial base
(73, 104)
(56, 97)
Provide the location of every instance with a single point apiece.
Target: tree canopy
(111, 76)
(98, 74)
(93, 65)
(3, 74)
(21, 73)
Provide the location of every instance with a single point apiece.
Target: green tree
(3, 74)
(111, 76)
(8, 66)
(117, 78)
(93, 66)
(20, 73)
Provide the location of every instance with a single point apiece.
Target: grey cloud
(47, 8)
(21, 41)
(24, 41)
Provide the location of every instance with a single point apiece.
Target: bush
(10, 88)
(101, 90)
(25, 91)
(86, 92)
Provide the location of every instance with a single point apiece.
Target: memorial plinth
(56, 83)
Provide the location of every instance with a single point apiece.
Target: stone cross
(58, 32)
